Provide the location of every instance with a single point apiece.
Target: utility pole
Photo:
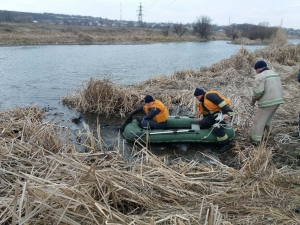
(140, 15)
(229, 20)
(281, 22)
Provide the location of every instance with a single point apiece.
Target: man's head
(198, 93)
(149, 99)
(260, 65)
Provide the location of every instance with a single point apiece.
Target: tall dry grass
(41, 184)
(280, 38)
(103, 96)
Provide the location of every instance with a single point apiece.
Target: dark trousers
(151, 124)
(208, 121)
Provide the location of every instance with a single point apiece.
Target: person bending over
(156, 113)
(211, 103)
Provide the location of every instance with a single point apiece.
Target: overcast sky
(222, 12)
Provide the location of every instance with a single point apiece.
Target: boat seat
(195, 126)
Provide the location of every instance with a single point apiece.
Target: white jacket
(267, 86)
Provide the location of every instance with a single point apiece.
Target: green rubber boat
(178, 129)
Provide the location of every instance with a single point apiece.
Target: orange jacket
(163, 115)
(212, 107)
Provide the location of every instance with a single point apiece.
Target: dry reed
(45, 180)
(41, 184)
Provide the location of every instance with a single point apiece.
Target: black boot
(254, 142)
(224, 148)
(295, 135)
(267, 128)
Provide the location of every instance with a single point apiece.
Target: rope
(285, 139)
(218, 124)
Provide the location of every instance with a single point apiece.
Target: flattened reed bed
(41, 185)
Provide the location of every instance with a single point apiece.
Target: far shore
(17, 34)
(40, 34)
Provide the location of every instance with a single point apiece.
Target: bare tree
(166, 30)
(244, 28)
(25, 19)
(8, 17)
(179, 29)
(203, 26)
(264, 24)
(229, 30)
(262, 32)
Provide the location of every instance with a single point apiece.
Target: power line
(152, 4)
(162, 8)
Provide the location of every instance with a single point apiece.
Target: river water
(42, 74)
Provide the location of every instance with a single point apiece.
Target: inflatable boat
(178, 129)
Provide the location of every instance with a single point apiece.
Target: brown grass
(280, 38)
(14, 33)
(45, 185)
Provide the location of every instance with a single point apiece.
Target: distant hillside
(59, 19)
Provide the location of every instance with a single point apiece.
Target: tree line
(202, 26)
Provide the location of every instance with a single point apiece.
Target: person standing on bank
(157, 113)
(267, 92)
(211, 103)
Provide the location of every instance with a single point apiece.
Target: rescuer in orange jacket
(212, 103)
(156, 113)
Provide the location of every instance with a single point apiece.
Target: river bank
(39, 34)
(46, 180)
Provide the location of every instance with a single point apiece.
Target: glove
(131, 114)
(254, 99)
(127, 121)
(139, 118)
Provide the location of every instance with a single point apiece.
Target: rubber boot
(225, 146)
(267, 128)
(295, 135)
(254, 142)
